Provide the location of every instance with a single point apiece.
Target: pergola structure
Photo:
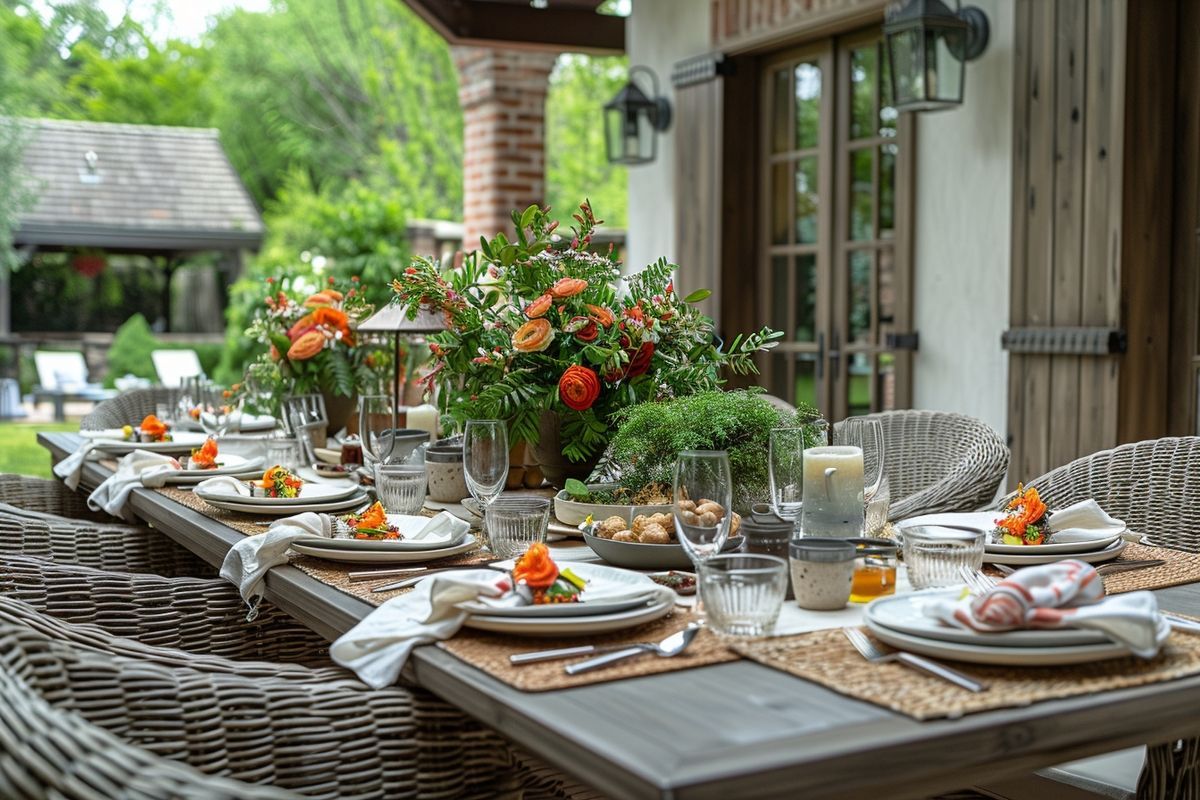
(556, 25)
(146, 190)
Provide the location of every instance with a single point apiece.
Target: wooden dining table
(737, 729)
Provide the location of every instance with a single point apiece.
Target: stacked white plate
(112, 442)
(250, 423)
(1091, 549)
(900, 621)
(613, 600)
(388, 551)
(233, 465)
(313, 497)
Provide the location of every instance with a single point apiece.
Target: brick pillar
(503, 98)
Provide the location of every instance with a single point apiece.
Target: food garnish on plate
(1026, 521)
(681, 582)
(539, 581)
(277, 482)
(372, 524)
(204, 457)
(151, 429)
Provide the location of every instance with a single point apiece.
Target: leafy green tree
(576, 163)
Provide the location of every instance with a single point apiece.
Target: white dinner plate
(608, 591)
(408, 525)
(985, 522)
(182, 443)
(571, 626)
(354, 501)
(230, 464)
(1095, 557)
(310, 493)
(384, 556)
(1054, 548)
(251, 423)
(1007, 656)
(905, 613)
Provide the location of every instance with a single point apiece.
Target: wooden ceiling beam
(519, 25)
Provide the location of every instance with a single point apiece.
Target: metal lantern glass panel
(632, 120)
(928, 46)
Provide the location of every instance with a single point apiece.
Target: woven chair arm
(129, 408)
(45, 496)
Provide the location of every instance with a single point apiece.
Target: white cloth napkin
(445, 527)
(247, 562)
(376, 648)
(139, 468)
(1065, 594)
(70, 469)
(222, 484)
(1084, 521)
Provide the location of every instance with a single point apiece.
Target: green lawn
(19, 450)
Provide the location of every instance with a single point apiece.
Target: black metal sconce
(632, 120)
(928, 46)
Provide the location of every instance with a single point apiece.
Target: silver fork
(977, 582)
(868, 650)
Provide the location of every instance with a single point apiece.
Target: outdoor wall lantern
(631, 120)
(928, 46)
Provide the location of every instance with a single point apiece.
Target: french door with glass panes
(834, 268)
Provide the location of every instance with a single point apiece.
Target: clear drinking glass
(284, 451)
(513, 523)
(934, 555)
(743, 593)
(703, 502)
(376, 426)
(401, 488)
(191, 395)
(867, 435)
(220, 411)
(485, 459)
(785, 458)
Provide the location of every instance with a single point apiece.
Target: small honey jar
(875, 565)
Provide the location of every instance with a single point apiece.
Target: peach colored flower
(533, 337)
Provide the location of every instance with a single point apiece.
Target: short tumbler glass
(401, 488)
(514, 523)
(935, 555)
(284, 451)
(743, 593)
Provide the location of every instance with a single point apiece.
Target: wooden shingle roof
(144, 187)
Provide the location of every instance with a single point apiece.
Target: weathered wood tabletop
(731, 730)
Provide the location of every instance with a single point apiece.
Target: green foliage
(49, 295)
(133, 343)
(576, 162)
(649, 436)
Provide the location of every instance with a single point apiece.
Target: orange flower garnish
(1025, 509)
(206, 456)
(153, 426)
(535, 567)
(373, 517)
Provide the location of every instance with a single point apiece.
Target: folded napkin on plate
(70, 469)
(376, 648)
(223, 484)
(1066, 594)
(1082, 522)
(444, 527)
(247, 562)
(139, 468)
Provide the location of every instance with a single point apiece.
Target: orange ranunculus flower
(306, 346)
(539, 307)
(635, 313)
(568, 287)
(153, 426)
(533, 337)
(601, 315)
(302, 326)
(535, 568)
(579, 387)
(334, 295)
(319, 299)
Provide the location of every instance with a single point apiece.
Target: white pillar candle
(833, 491)
(425, 418)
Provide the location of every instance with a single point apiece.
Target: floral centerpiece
(534, 328)
(312, 345)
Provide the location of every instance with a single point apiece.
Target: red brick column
(503, 98)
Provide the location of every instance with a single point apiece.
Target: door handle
(820, 369)
(834, 355)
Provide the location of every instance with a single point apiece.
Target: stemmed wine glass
(703, 506)
(867, 435)
(220, 411)
(785, 462)
(485, 460)
(376, 426)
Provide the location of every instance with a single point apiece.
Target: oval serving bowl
(635, 555)
(572, 512)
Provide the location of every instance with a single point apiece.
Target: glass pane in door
(808, 104)
(805, 298)
(859, 312)
(864, 78)
(806, 380)
(780, 132)
(807, 200)
(862, 194)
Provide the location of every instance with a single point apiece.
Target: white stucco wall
(962, 244)
(660, 33)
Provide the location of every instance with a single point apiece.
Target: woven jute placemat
(1180, 568)
(827, 657)
(246, 523)
(489, 652)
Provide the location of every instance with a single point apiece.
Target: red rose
(583, 329)
(578, 388)
(639, 362)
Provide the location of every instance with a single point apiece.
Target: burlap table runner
(827, 657)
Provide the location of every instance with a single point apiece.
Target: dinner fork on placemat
(873, 653)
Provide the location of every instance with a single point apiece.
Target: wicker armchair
(938, 461)
(197, 615)
(129, 408)
(42, 497)
(46, 752)
(319, 732)
(107, 546)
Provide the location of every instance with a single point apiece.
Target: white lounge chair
(63, 376)
(173, 366)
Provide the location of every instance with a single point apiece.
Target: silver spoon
(673, 645)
